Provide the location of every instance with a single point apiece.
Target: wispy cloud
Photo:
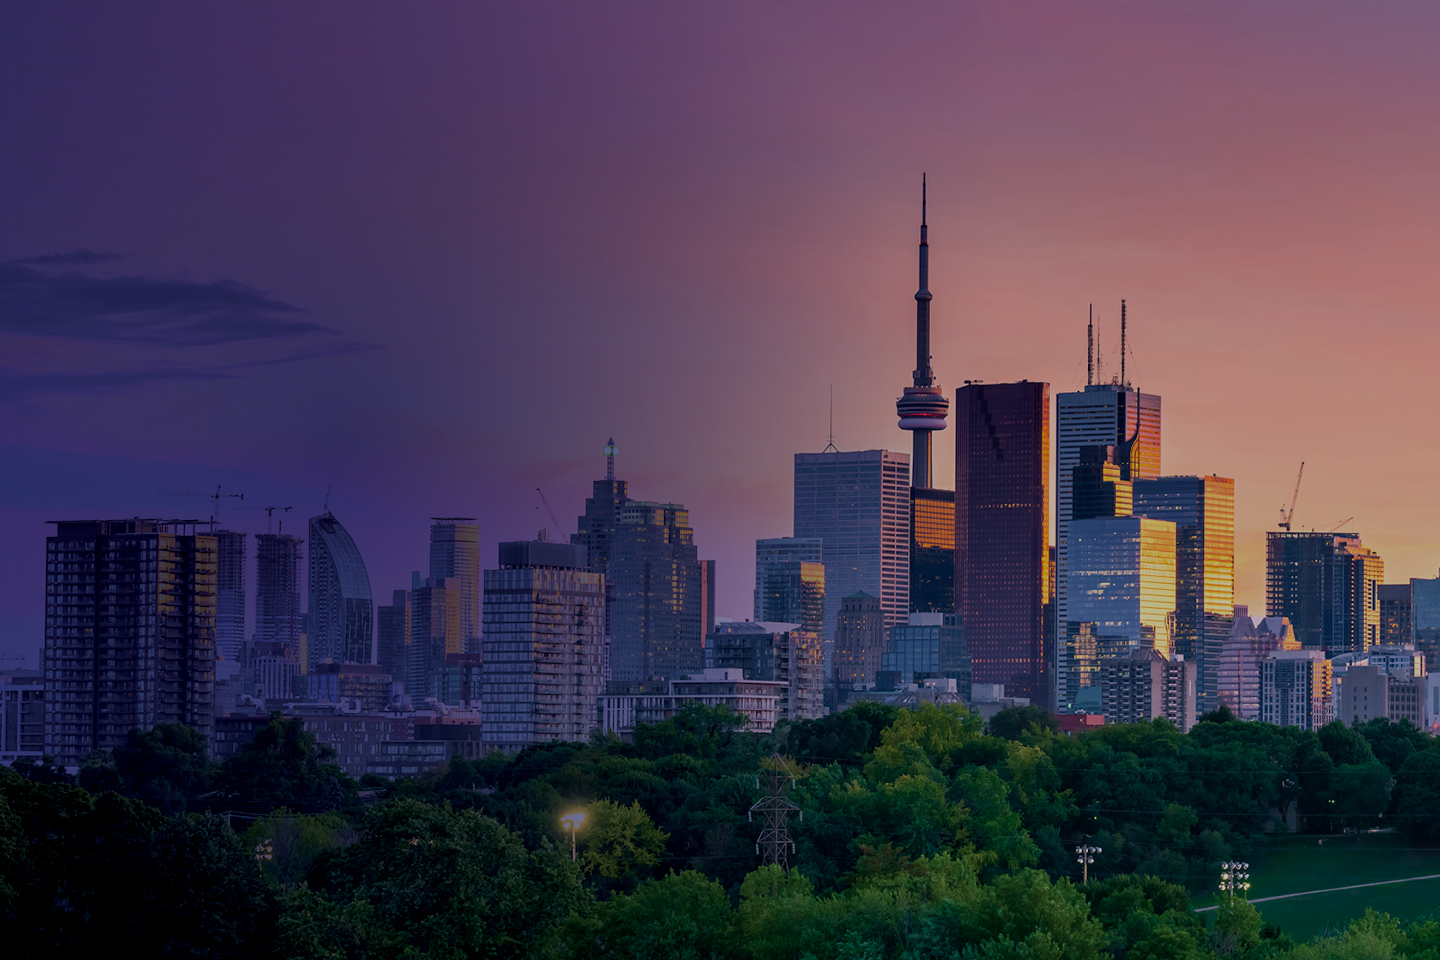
(18, 386)
(49, 296)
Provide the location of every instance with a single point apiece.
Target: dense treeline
(923, 834)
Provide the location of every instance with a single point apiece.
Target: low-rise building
(627, 703)
(367, 684)
(773, 651)
(22, 715)
(1369, 692)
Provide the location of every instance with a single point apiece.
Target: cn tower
(923, 408)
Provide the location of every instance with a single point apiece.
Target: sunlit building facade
(455, 555)
(129, 632)
(1297, 689)
(1122, 592)
(1203, 511)
(1002, 513)
(932, 550)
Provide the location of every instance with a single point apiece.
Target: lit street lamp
(573, 821)
(1234, 875)
(1087, 857)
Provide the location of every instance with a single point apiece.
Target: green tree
(1344, 745)
(425, 882)
(1392, 741)
(1417, 793)
(1012, 722)
(164, 765)
(281, 765)
(681, 916)
(1237, 927)
(1018, 915)
(620, 843)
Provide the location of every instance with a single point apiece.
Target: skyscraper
(922, 408)
(1002, 505)
(930, 645)
(543, 634)
(859, 640)
(1327, 584)
(341, 612)
(1203, 511)
(392, 638)
(781, 550)
(857, 504)
(653, 580)
(932, 550)
(278, 617)
(1122, 596)
(1103, 414)
(455, 555)
(129, 632)
(229, 602)
(436, 612)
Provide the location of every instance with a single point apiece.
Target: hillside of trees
(919, 834)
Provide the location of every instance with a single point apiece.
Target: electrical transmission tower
(774, 844)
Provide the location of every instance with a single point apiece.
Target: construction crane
(548, 509)
(1286, 516)
(1340, 524)
(269, 515)
(215, 498)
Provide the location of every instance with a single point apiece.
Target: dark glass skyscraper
(229, 602)
(1327, 584)
(342, 613)
(1203, 511)
(1002, 505)
(278, 616)
(932, 550)
(653, 580)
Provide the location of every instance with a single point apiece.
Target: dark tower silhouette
(923, 407)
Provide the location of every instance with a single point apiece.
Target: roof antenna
(609, 452)
(1124, 384)
(830, 447)
(327, 497)
(1090, 350)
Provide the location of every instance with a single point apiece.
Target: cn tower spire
(923, 408)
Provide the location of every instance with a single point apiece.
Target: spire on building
(610, 459)
(922, 408)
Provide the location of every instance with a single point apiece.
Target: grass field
(1293, 864)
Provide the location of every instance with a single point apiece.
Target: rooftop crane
(1340, 524)
(553, 519)
(1287, 515)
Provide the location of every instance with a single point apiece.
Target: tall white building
(858, 505)
(544, 631)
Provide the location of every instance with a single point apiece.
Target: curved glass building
(342, 613)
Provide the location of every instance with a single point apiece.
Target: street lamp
(573, 821)
(1234, 875)
(1087, 857)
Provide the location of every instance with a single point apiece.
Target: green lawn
(1293, 864)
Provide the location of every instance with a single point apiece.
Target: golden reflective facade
(932, 550)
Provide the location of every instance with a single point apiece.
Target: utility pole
(1087, 857)
(774, 844)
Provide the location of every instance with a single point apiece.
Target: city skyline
(1266, 220)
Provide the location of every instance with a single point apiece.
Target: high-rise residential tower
(1002, 507)
(857, 504)
(392, 638)
(543, 641)
(1111, 414)
(341, 612)
(859, 641)
(436, 611)
(1327, 584)
(129, 632)
(278, 617)
(229, 602)
(654, 583)
(1203, 511)
(455, 555)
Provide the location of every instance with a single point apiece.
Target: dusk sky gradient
(433, 255)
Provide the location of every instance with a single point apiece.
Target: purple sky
(434, 255)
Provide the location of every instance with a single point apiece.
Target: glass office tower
(858, 504)
(1203, 511)
(1327, 584)
(1122, 592)
(781, 550)
(932, 550)
(1002, 506)
(930, 645)
(1425, 617)
(1103, 414)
